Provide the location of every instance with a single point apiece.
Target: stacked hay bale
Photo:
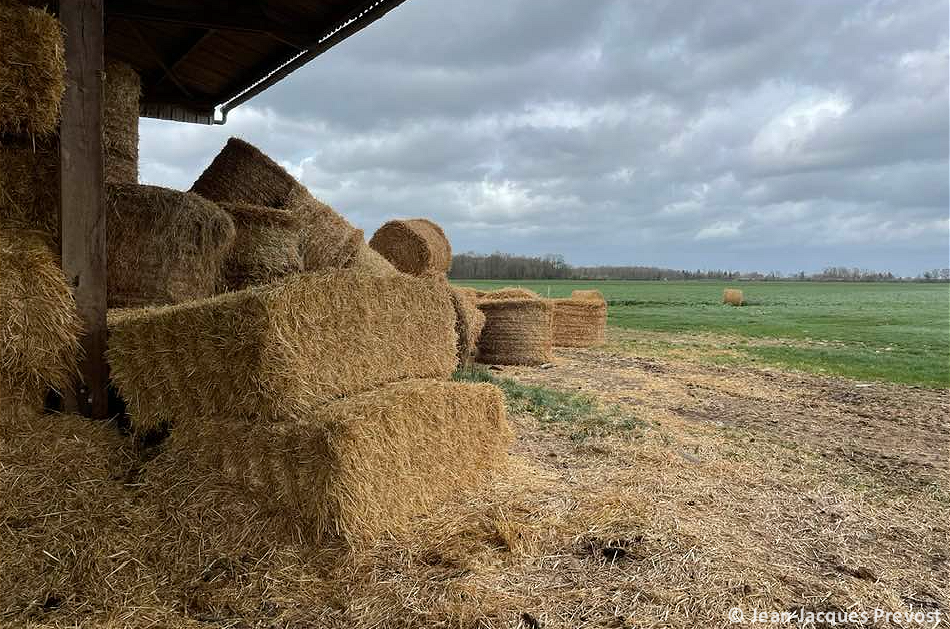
(266, 246)
(732, 297)
(516, 332)
(579, 322)
(510, 293)
(469, 322)
(415, 246)
(588, 295)
(120, 122)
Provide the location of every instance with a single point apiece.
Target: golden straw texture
(368, 261)
(516, 332)
(29, 184)
(416, 246)
(266, 247)
(588, 295)
(273, 352)
(578, 322)
(732, 297)
(120, 122)
(510, 293)
(469, 321)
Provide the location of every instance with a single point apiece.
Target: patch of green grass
(899, 332)
(581, 414)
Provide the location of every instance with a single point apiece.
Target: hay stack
(32, 70)
(579, 322)
(510, 293)
(469, 321)
(732, 297)
(266, 245)
(358, 467)
(243, 174)
(164, 246)
(120, 122)
(415, 246)
(368, 261)
(516, 332)
(29, 184)
(588, 295)
(39, 325)
(274, 352)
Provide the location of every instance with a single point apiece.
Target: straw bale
(39, 325)
(510, 292)
(732, 297)
(359, 467)
(416, 246)
(469, 321)
(120, 122)
(368, 261)
(164, 246)
(29, 184)
(241, 173)
(273, 352)
(578, 322)
(516, 332)
(32, 70)
(588, 295)
(266, 247)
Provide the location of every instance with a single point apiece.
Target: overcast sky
(716, 134)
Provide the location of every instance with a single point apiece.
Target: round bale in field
(732, 297)
(516, 332)
(579, 322)
(415, 246)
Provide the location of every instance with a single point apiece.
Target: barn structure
(197, 62)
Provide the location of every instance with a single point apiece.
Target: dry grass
(29, 184)
(732, 297)
(164, 246)
(415, 246)
(39, 326)
(509, 293)
(266, 245)
(274, 352)
(469, 321)
(120, 122)
(588, 295)
(579, 323)
(32, 71)
(516, 332)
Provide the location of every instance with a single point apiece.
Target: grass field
(873, 331)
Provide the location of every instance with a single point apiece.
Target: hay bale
(241, 173)
(274, 352)
(120, 122)
(359, 467)
(163, 246)
(516, 332)
(39, 325)
(588, 295)
(266, 245)
(510, 293)
(415, 246)
(579, 322)
(29, 184)
(469, 321)
(732, 297)
(32, 70)
(368, 261)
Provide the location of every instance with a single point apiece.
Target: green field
(867, 331)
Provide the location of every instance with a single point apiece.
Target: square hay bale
(266, 246)
(510, 292)
(469, 321)
(354, 469)
(276, 351)
(32, 70)
(415, 246)
(579, 322)
(241, 173)
(29, 184)
(39, 324)
(120, 122)
(588, 295)
(164, 246)
(516, 332)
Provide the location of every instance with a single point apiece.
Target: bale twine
(579, 322)
(516, 332)
(415, 246)
(351, 470)
(29, 184)
(32, 70)
(588, 295)
(732, 297)
(510, 293)
(241, 173)
(469, 321)
(276, 351)
(39, 325)
(164, 246)
(371, 263)
(266, 245)
(120, 122)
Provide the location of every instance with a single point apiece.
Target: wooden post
(82, 207)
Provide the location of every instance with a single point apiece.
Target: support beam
(82, 206)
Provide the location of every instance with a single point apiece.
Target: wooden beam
(82, 207)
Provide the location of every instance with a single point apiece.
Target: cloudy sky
(716, 134)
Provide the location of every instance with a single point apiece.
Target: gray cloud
(717, 134)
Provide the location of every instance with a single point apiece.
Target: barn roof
(194, 57)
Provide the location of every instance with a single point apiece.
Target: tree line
(503, 266)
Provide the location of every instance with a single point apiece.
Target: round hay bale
(415, 246)
(469, 321)
(164, 246)
(371, 263)
(579, 322)
(510, 293)
(120, 122)
(29, 185)
(39, 325)
(588, 295)
(516, 332)
(266, 245)
(732, 297)
(32, 71)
